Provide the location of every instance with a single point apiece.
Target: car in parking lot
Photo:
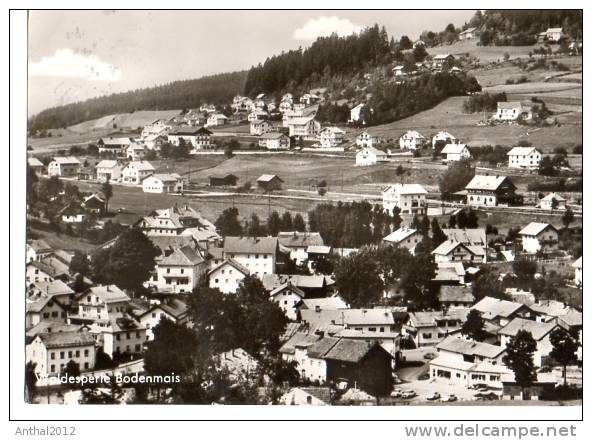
(449, 398)
(486, 396)
(408, 394)
(433, 396)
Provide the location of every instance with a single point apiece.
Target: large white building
(179, 272)
(524, 157)
(305, 127)
(257, 254)
(412, 140)
(51, 352)
(410, 198)
(108, 170)
(331, 137)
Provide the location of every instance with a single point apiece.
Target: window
(86, 352)
(52, 356)
(69, 355)
(77, 354)
(52, 369)
(62, 355)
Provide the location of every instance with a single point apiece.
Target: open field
(485, 54)
(449, 116)
(124, 120)
(534, 87)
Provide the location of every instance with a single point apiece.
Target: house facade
(539, 237)
(489, 191)
(525, 158)
(331, 137)
(108, 170)
(259, 127)
(67, 166)
(257, 254)
(370, 156)
(412, 140)
(136, 172)
(179, 272)
(508, 111)
(410, 198)
(163, 184)
(51, 352)
(455, 152)
(227, 276)
(274, 141)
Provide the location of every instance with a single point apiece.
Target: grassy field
(485, 54)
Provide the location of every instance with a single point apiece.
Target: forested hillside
(215, 89)
(327, 56)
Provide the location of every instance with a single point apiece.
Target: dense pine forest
(216, 89)
(326, 57)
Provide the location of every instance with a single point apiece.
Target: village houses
(67, 166)
(443, 137)
(405, 237)
(466, 363)
(331, 137)
(489, 191)
(356, 113)
(259, 127)
(197, 137)
(370, 156)
(455, 152)
(174, 221)
(135, 172)
(257, 254)
(227, 276)
(287, 297)
(36, 165)
(430, 327)
(469, 34)
(524, 157)
(180, 271)
(163, 184)
(108, 170)
(51, 352)
(172, 309)
(539, 237)
(540, 332)
(508, 111)
(114, 146)
(450, 251)
(274, 141)
(298, 243)
(306, 128)
(216, 120)
(410, 198)
(365, 139)
(412, 140)
(552, 201)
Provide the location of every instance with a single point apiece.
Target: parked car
(433, 396)
(450, 398)
(429, 356)
(408, 394)
(396, 392)
(486, 396)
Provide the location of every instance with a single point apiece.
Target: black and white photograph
(301, 208)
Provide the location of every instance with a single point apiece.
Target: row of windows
(127, 335)
(52, 367)
(71, 354)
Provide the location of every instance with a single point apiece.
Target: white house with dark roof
(455, 152)
(537, 237)
(469, 34)
(365, 139)
(163, 183)
(257, 254)
(114, 145)
(136, 172)
(44, 308)
(108, 170)
(451, 251)
(508, 111)
(552, 201)
(489, 190)
(331, 137)
(66, 166)
(174, 221)
(524, 158)
(410, 198)
(274, 141)
(298, 243)
(172, 309)
(227, 276)
(412, 140)
(305, 127)
(216, 119)
(197, 137)
(355, 114)
(540, 332)
(179, 272)
(452, 297)
(99, 303)
(554, 34)
(260, 126)
(370, 156)
(464, 362)
(51, 352)
(37, 249)
(500, 312)
(442, 61)
(428, 328)
(288, 297)
(404, 237)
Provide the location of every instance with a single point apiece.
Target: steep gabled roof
(250, 245)
(535, 228)
(489, 183)
(184, 256)
(537, 329)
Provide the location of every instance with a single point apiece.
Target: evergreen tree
(228, 223)
(519, 358)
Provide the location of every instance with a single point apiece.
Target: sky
(76, 55)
